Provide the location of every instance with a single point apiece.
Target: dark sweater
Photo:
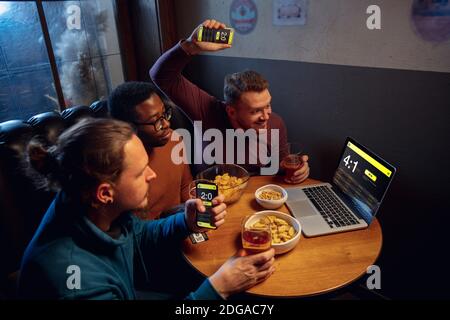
(109, 265)
(166, 73)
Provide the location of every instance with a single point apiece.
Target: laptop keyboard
(329, 206)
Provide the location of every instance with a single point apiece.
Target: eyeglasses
(159, 123)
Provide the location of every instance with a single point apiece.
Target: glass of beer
(293, 161)
(256, 235)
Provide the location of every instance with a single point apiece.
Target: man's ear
(231, 111)
(105, 193)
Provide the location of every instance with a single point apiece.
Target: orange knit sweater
(171, 186)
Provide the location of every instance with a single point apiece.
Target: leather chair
(74, 114)
(47, 126)
(15, 134)
(22, 204)
(100, 109)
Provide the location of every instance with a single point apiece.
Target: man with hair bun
(89, 245)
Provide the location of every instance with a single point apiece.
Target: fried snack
(270, 194)
(228, 185)
(280, 229)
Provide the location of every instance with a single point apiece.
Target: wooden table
(316, 265)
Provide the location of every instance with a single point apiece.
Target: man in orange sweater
(140, 104)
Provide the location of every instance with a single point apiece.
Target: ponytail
(42, 165)
(85, 155)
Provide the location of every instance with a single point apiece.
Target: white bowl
(285, 246)
(271, 204)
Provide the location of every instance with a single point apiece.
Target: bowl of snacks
(230, 178)
(285, 229)
(271, 196)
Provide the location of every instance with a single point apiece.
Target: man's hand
(218, 211)
(301, 174)
(240, 272)
(192, 47)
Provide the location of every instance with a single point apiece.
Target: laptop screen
(363, 178)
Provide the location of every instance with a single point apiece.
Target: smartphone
(225, 35)
(206, 192)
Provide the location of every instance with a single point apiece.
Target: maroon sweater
(166, 73)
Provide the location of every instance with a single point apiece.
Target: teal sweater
(70, 258)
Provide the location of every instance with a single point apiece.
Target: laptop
(350, 201)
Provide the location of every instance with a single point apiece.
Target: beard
(151, 142)
(144, 209)
(141, 211)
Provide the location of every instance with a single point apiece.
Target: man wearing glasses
(140, 104)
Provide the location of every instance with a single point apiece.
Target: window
(84, 42)
(26, 83)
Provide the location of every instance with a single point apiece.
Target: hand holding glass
(256, 236)
(293, 161)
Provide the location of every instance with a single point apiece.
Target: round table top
(316, 265)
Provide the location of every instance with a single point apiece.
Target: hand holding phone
(210, 36)
(206, 192)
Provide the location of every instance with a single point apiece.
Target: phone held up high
(224, 35)
(206, 192)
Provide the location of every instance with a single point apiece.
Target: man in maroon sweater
(247, 102)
